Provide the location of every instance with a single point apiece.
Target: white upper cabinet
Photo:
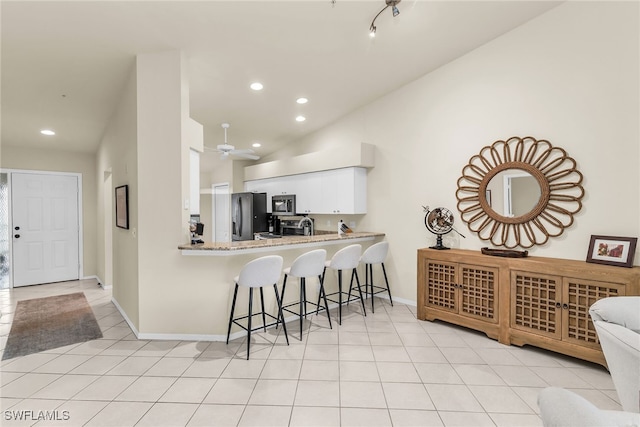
(309, 193)
(344, 191)
(337, 191)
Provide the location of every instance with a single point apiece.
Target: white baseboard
(210, 337)
(400, 300)
(100, 281)
(126, 318)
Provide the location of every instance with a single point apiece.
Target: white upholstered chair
(617, 322)
(564, 408)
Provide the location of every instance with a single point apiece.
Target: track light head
(394, 10)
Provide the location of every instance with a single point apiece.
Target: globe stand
(439, 244)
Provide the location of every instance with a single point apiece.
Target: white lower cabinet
(336, 191)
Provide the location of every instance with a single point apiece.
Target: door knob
(17, 236)
(16, 228)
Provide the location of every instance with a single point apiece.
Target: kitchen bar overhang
(273, 245)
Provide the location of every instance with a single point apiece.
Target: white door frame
(9, 173)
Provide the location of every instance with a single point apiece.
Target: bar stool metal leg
(280, 313)
(302, 305)
(369, 283)
(384, 271)
(368, 268)
(233, 307)
(264, 319)
(355, 274)
(324, 295)
(249, 321)
(339, 297)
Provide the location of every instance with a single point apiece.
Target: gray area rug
(44, 323)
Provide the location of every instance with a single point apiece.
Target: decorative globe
(438, 221)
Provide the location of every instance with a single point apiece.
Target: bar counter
(321, 239)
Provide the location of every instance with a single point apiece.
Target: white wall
(163, 175)
(569, 76)
(117, 156)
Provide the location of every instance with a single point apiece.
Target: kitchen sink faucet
(306, 219)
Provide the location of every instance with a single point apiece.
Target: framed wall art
(122, 206)
(612, 250)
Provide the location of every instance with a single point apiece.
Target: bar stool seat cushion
(375, 254)
(264, 271)
(309, 264)
(346, 258)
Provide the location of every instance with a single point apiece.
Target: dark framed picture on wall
(122, 206)
(612, 250)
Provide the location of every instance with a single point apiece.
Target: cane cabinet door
(578, 296)
(442, 285)
(478, 287)
(535, 303)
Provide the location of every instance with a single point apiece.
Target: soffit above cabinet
(358, 155)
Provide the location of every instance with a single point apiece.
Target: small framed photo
(612, 250)
(122, 206)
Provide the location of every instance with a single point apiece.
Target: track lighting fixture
(394, 10)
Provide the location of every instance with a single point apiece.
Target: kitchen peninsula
(267, 244)
(211, 267)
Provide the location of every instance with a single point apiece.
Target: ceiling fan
(227, 149)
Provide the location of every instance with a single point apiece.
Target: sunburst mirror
(519, 192)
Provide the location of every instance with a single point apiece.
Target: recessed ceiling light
(47, 132)
(256, 145)
(301, 119)
(302, 100)
(256, 86)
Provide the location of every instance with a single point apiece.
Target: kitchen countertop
(284, 242)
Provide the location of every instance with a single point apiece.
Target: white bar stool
(345, 259)
(306, 265)
(375, 254)
(260, 272)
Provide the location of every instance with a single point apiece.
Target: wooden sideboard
(538, 301)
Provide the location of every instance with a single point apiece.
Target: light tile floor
(384, 369)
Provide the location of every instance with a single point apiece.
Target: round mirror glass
(513, 193)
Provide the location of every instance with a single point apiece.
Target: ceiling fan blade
(243, 151)
(247, 156)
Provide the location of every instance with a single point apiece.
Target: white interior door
(221, 212)
(45, 228)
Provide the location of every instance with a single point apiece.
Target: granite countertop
(280, 241)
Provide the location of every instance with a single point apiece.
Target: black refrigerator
(248, 215)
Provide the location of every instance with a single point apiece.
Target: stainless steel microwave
(283, 204)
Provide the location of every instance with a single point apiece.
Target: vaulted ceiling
(64, 64)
